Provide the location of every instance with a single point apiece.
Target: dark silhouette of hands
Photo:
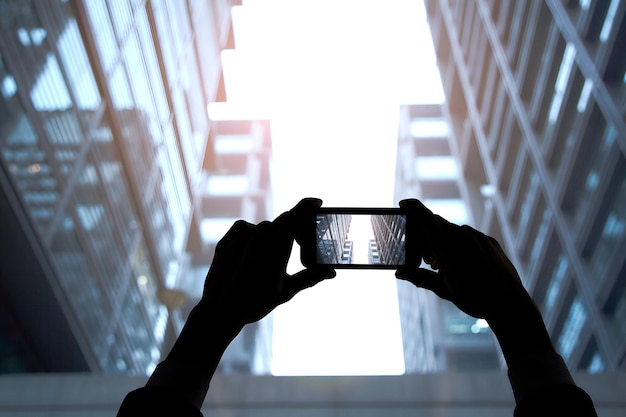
(470, 268)
(248, 277)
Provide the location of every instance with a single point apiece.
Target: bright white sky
(330, 76)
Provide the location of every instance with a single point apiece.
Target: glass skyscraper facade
(389, 239)
(111, 169)
(331, 233)
(535, 100)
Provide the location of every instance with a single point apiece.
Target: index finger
(292, 224)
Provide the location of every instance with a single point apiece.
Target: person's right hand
(470, 268)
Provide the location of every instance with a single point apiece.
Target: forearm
(191, 363)
(532, 361)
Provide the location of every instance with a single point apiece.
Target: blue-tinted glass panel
(139, 83)
(121, 16)
(152, 65)
(87, 299)
(597, 155)
(176, 213)
(571, 329)
(207, 45)
(77, 67)
(165, 38)
(108, 158)
(181, 26)
(65, 137)
(119, 90)
(49, 93)
(26, 160)
(177, 174)
(96, 221)
(556, 283)
(561, 83)
(614, 227)
(135, 331)
(103, 32)
(161, 228)
(186, 136)
(614, 307)
(541, 234)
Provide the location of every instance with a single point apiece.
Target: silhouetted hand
(472, 270)
(248, 277)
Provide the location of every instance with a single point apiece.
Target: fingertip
(330, 273)
(401, 273)
(310, 202)
(408, 202)
(324, 272)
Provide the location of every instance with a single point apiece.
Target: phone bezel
(308, 245)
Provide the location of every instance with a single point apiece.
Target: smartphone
(356, 238)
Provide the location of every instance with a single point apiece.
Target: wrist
(204, 338)
(520, 329)
(531, 372)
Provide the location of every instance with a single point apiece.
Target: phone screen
(361, 239)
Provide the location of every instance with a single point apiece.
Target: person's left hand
(248, 276)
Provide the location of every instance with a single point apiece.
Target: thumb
(425, 278)
(304, 279)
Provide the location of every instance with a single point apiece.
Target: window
(152, 65)
(591, 360)
(227, 185)
(591, 157)
(50, 92)
(103, 31)
(615, 305)
(561, 83)
(608, 21)
(567, 121)
(429, 128)
(572, 327)
(77, 67)
(234, 144)
(213, 229)
(436, 167)
(9, 87)
(453, 210)
(609, 228)
(77, 279)
(121, 16)
(556, 282)
(29, 167)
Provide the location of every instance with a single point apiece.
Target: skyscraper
(388, 245)
(535, 100)
(112, 176)
(333, 246)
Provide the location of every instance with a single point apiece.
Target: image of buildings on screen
(388, 246)
(333, 246)
(371, 239)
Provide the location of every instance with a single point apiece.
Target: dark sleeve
(543, 386)
(157, 401)
(556, 400)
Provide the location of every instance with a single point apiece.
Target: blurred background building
(436, 336)
(115, 185)
(536, 102)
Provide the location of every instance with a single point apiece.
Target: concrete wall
(440, 395)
